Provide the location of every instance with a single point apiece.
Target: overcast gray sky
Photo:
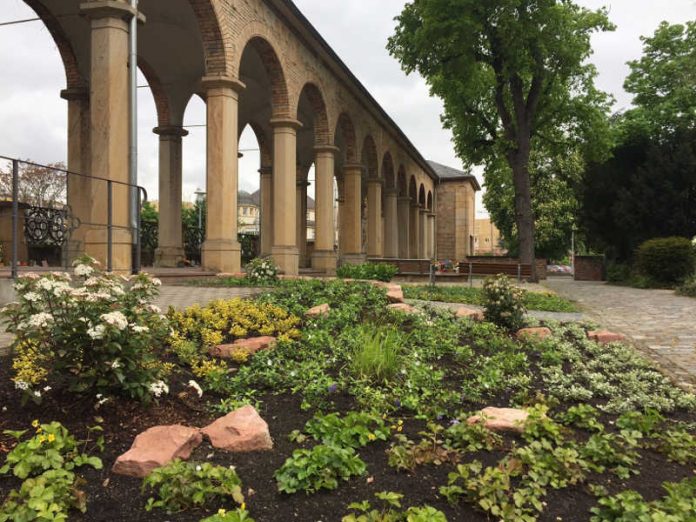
(33, 117)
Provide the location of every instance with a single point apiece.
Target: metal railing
(45, 194)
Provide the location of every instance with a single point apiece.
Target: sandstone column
(414, 231)
(170, 251)
(79, 189)
(432, 240)
(109, 131)
(221, 250)
(266, 204)
(423, 233)
(352, 221)
(324, 256)
(404, 215)
(301, 233)
(285, 252)
(374, 217)
(391, 229)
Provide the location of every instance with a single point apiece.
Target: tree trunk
(524, 216)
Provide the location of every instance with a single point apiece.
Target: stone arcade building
(257, 63)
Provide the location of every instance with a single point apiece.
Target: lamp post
(200, 199)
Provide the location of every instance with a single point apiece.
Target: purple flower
(454, 422)
(439, 416)
(332, 388)
(397, 403)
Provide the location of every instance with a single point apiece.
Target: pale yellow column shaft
(221, 250)
(285, 252)
(301, 232)
(374, 217)
(266, 210)
(423, 233)
(432, 252)
(352, 222)
(391, 232)
(324, 257)
(414, 231)
(404, 216)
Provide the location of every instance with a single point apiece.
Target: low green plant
(353, 430)
(238, 515)
(370, 271)
(582, 416)
(472, 437)
(262, 270)
(391, 511)
(406, 455)
(646, 423)
(182, 485)
(322, 467)
(377, 355)
(610, 451)
(677, 445)
(688, 287)
(668, 260)
(503, 302)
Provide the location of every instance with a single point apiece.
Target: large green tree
(514, 78)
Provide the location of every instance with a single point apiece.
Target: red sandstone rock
(242, 430)
(469, 313)
(395, 294)
(605, 337)
(319, 311)
(534, 333)
(250, 346)
(501, 419)
(404, 308)
(156, 447)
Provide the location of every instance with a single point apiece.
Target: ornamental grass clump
(94, 333)
(503, 303)
(378, 353)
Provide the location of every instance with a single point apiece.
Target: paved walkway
(537, 314)
(661, 323)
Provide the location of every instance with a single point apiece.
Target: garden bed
(444, 370)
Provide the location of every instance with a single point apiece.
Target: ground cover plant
(386, 438)
(542, 301)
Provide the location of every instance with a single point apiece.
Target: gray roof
(446, 173)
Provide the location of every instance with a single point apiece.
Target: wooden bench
(519, 270)
(411, 267)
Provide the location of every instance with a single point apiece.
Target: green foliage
(370, 271)
(688, 287)
(472, 437)
(667, 260)
(148, 212)
(391, 511)
(543, 301)
(353, 430)
(262, 270)
(583, 416)
(97, 335)
(182, 485)
(378, 352)
(630, 505)
(238, 515)
(322, 467)
(406, 455)
(678, 445)
(503, 302)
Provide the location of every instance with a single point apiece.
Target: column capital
(172, 131)
(432, 214)
(424, 210)
(391, 192)
(303, 184)
(75, 94)
(404, 199)
(352, 168)
(110, 9)
(280, 123)
(375, 181)
(222, 82)
(326, 149)
(266, 171)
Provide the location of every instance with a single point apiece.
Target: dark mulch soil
(115, 498)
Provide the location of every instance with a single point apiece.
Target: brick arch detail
(430, 200)
(216, 44)
(401, 184)
(347, 130)
(74, 79)
(322, 134)
(413, 189)
(264, 144)
(421, 195)
(258, 35)
(388, 170)
(369, 155)
(158, 93)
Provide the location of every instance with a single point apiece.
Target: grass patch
(541, 301)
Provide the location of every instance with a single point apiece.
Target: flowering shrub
(97, 333)
(262, 270)
(503, 302)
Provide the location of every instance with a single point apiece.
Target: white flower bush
(96, 334)
(503, 302)
(262, 270)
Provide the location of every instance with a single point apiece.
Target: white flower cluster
(159, 388)
(40, 320)
(116, 319)
(193, 384)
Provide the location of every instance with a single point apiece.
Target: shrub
(377, 354)
(688, 287)
(262, 270)
(503, 302)
(667, 260)
(182, 485)
(95, 334)
(372, 271)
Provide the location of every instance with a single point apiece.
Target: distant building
(488, 240)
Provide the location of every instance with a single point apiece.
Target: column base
(287, 259)
(222, 256)
(169, 257)
(325, 260)
(97, 245)
(353, 259)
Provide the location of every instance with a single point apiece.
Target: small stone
(539, 333)
(464, 312)
(403, 308)
(395, 294)
(156, 447)
(249, 346)
(501, 419)
(243, 430)
(605, 336)
(319, 311)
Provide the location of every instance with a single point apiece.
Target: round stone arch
(369, 158)
(162, 104)
(265, 145)
(216, 46)
(422, 198)
(413, 189)
(313, 93)
(388, 171)
(401, 183)
(345, 139)
(429, 203)
(258, 36)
